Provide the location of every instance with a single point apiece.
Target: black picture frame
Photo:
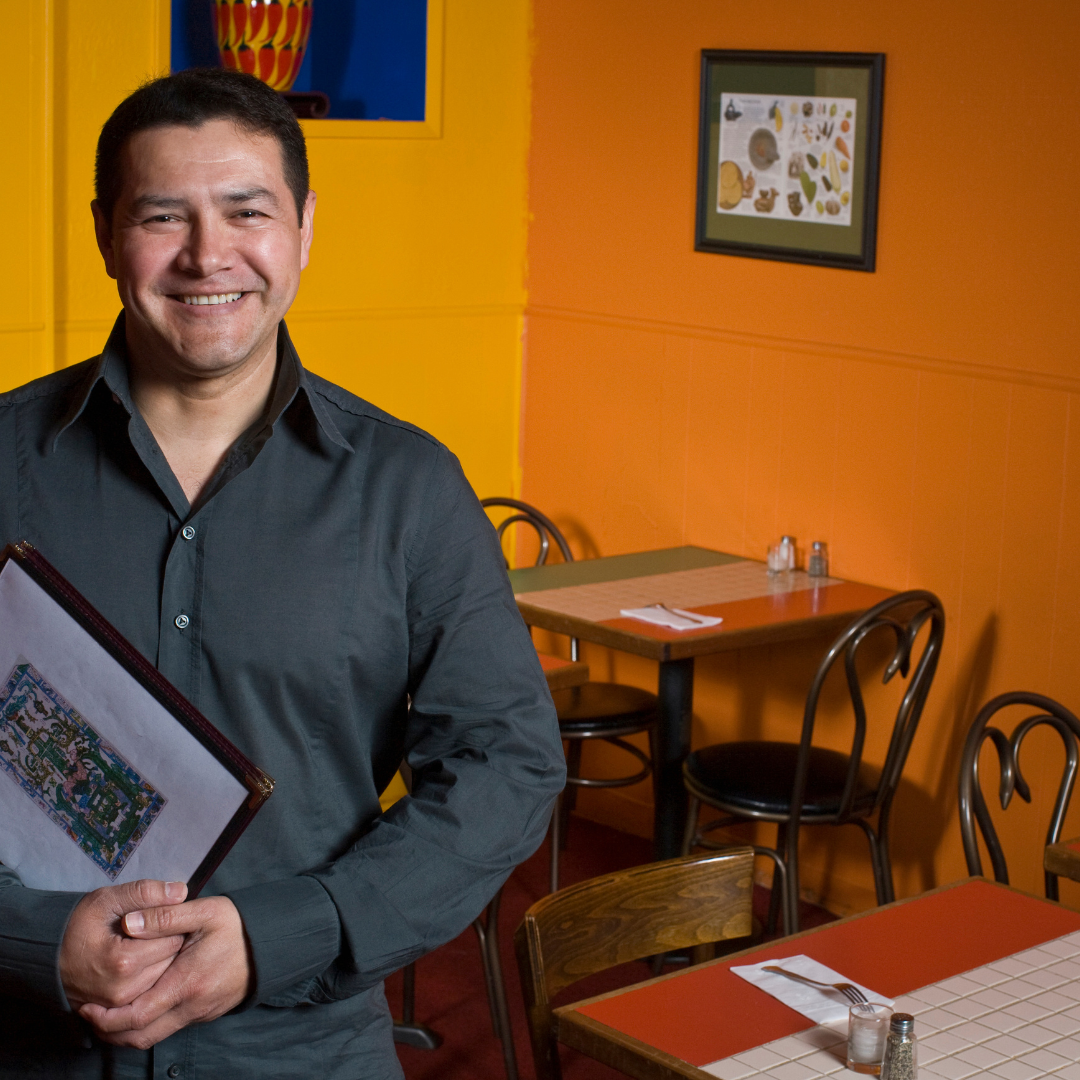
(838, 235)
(259, 784)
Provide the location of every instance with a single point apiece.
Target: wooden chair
(798, 784)
(973, 809)
(690, 902)
(593, 710)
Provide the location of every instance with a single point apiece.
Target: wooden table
(681, 1024)
(1063, 859)
(563, 674)
(583, 599)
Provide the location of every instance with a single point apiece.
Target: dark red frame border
(259, 784)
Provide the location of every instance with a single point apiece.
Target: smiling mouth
(215, 298)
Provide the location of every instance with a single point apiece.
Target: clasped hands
(138, 963)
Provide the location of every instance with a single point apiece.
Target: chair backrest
(592, 926)
(973, 808)
(900, 618)
(545, 528)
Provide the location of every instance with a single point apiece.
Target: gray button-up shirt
(336, 566)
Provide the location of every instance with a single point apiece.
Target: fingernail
(134, 922)
(174, 890)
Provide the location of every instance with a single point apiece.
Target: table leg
(676, 693)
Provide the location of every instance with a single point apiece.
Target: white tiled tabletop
(1015, 1019)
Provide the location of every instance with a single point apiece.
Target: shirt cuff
(294, 933)
(32, 925)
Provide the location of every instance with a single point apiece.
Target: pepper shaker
(900, 1060)
(818, 563)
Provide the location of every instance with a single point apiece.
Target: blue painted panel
(369, 56)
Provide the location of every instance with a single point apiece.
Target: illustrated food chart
(705, 585)
(1014, 1019)
(787, 157)
(74, 776)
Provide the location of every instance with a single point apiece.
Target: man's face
(205, 246)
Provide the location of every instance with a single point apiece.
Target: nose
(208, 249)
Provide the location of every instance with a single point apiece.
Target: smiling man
(317, 578)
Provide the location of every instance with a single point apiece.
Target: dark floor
(450, 995)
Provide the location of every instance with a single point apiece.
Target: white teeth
(218, 298)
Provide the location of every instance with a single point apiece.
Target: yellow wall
(415, 293)
(919, 419)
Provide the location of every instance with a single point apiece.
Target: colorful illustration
(265, 38)
(802, 148)
(73, 775)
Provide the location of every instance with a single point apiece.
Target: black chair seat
(756, 778)
(605, 709)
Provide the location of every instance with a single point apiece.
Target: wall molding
(22, 328)
(103, 326)
(85, 326)
(997, 373)
(457, 311)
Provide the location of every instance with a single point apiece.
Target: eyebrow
(170, 202)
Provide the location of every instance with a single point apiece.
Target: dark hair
(191, 98)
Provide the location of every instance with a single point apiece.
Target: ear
(307, 229)
(103, 232)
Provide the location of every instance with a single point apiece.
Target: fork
(679, 614)
(852, 993)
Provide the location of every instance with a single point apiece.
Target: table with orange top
(1063, 859)
(563, 674)
(706, 1022)
(583, 599)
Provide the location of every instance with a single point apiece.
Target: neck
(196, 418)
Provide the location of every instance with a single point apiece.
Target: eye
(248, 215)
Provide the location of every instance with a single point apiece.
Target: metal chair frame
(850, 811)
(548, 533)
(973, 808)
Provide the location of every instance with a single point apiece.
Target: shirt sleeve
(486, 756)
(32, 925)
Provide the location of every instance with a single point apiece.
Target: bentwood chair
(684, 903)
(796, 784)
(973, 808)
(594, 710)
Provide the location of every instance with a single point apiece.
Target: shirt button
(173, 1071)
(187, 532)
(182, 621)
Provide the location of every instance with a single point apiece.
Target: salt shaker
(900, 1060)
(787, 551)
(818, 563)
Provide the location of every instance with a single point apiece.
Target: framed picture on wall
(788, 156)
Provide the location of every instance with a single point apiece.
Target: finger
(141, 1038)
(165, 994)
(137, 985)
(135, 954)
(166, 921)
(144, 893)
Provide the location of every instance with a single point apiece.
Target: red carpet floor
(450, 996)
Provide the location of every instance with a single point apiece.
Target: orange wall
(920, 418)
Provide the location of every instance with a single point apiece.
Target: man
(301, 566)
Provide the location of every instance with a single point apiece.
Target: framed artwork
(788, 156)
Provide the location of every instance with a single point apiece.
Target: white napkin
(673, 618)
(821, 1006)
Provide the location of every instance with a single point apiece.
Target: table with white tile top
(1017, 1018)
(991, 975)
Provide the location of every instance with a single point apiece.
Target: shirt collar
(111, 368)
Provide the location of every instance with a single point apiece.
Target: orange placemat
(708, 1013)
(838, 599)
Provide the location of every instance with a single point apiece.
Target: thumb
(147, 892)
